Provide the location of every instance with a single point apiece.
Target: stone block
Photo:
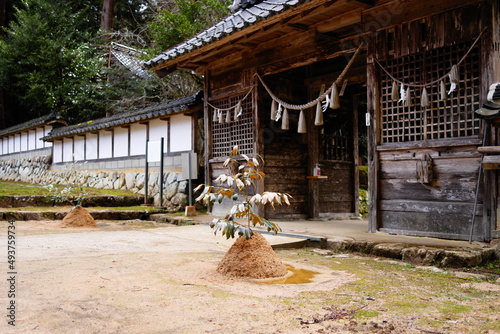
(461, 258)
(180, 200)
(183, 187)
(393, 251)
(171, 191)
(130, 180)
(422, 255)
(139, 180)
(171, 178)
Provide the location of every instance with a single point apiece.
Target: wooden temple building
(333, 84)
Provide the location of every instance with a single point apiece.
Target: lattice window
(451, 118)
(240, 132)
(336, 148)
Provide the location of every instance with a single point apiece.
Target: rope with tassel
(330, 91)
(404, 95)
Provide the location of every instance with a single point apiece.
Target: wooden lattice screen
(241, 132)
(335, 148)
(451, 118)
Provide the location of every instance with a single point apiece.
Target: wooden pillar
(355, 150)
(313, 146)
(373, 108)
(207, 123)
(490, 71)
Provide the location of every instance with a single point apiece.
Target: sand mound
(78, 217)
(252, 258)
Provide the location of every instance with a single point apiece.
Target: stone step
(41, 201)
(420, 255)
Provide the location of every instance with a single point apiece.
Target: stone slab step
(107, 201)
(421, 255)
(59, 215)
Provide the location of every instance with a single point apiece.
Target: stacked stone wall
(37, 170)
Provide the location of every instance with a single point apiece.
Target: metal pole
(160, 186)
(189, 181)
(146, 176)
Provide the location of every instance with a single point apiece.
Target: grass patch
(149, 209)
(437, 301)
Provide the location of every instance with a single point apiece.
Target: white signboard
(186, 159)
(154, 151)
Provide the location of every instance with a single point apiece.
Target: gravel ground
(136, 277)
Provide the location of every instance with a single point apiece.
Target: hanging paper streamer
(228, 116)
(238, 110)
(221, 116)
(302, 123)
(453, 79)
(285, 124)
(408, 98)
(334, 98)
(442, 91)
(278, 112)
(424, 98)
(215, 116)
(402, 94)
(318, 120)
(395, 91)
(274, 108)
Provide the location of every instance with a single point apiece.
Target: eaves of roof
(36, 122)
(235, 22)
(128, 117)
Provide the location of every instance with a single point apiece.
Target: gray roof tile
(250, 11)
(46, 119)
(127, 117)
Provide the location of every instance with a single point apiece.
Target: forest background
(55, 56)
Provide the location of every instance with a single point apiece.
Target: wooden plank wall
(441, 206)
(285, 152)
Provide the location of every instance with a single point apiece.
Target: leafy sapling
(245, 171)
(71, 192)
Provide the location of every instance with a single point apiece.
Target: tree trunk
(107, 15)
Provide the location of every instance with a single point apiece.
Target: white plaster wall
(57, 151)
(105, 144)
(79, 148)
(32, 139)
(38, 136)
(24, 141)
(67, 149)
(11, 144)
(91, 146)
(47, 128)
(17, 142)
(138, 139)
(157, 130)
(180, 133)
(1, 146)
(120, 148)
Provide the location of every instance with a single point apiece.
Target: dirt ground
(137, 277)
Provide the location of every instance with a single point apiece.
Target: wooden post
(373, 161)
(355, 149)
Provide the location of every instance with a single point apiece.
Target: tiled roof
(128, 117)
(129, 57)
(237, 21)
(33, 124)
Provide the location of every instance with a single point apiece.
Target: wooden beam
(397, 12)
(339, 21)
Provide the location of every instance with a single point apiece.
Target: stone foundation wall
(37, 170)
